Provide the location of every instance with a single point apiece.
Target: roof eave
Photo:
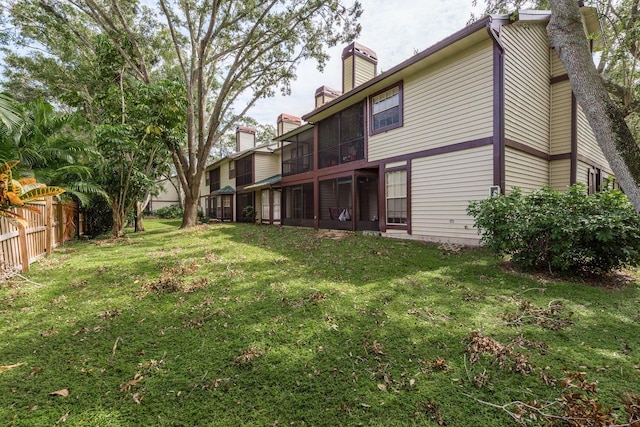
(442, 44)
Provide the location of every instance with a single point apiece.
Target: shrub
(568, 232)
(170, 212)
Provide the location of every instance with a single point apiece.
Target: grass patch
(232, 324)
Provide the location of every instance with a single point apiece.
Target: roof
(267, 182)
(227, 189)
(458, 36)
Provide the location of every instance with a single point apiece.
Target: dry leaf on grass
(8, 367)
(125, 387)
(64, 393)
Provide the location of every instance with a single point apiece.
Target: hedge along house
(489, 108)
(249, 177)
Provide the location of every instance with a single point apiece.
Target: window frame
(400, 123)
(405, 224)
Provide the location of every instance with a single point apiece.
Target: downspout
(498, 104)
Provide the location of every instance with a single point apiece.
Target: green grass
(253, 325)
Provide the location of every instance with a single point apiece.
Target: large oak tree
(228, 54)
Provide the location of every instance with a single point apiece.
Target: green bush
(568, 232)
(170, 212)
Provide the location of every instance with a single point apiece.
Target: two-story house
(249, 177)
(487, 109)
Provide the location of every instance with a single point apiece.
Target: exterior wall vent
(359, 64)
(245, 138)
(286, 123)
(326, 94)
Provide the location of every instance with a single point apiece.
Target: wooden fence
(20, 247)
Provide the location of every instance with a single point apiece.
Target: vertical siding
(347, 74)
(527, 91)
(445, 104)
(266, 166)
(587, 144)
(561, 118)
(525, 171)
(441, 188)
(557, 67)
(560, 174)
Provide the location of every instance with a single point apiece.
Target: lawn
(232, 324)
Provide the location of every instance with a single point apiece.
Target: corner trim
(573, 173)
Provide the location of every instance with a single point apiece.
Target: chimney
(359, 64)
(286, 123)
(245, 138)
(326, 94)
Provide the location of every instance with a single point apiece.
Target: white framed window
(386, 110)
(396, 196)
(265, 205)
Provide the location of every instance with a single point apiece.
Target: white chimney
(287, 123)
(245, 138)
(326, 94)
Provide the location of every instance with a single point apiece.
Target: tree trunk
(139, 225)
(191, 203)
(567, 37)
(117, 213)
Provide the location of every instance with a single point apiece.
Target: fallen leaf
(125, 387)
(412, 382)
(382, 387)
(364, 405)
(64, 393)
(137, 398)
(7, 367)
(63, 419)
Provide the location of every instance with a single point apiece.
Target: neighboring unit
(403, 152)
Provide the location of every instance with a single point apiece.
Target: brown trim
(409, 222)
(498, 115)
(369, 113)
(526, 149)
(444, 43)
(563, 156)
(573, 173)
(558, 79)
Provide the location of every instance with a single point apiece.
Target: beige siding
(587, 144)
(449, 103)
(347, 74)
(527, 91)
(583, 173)
(224, 176)
(168, 195)
(266, 166)
(441, 188)
(365, 70)
(525, 171)
(560, 174)
(557, 67)
(561, 118)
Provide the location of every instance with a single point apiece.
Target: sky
(394, 29)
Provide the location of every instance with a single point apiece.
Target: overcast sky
(394, 29)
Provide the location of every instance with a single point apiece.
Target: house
(248, 178)
(485, 110)
(168, 194)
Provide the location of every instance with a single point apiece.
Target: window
(396, 195)
(232, 169)
(341, 137)
(595, 181)
(386, 110)
(214, 179)
(264, 197)
(244, 170)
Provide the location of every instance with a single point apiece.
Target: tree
(566, 35)
(228, 53)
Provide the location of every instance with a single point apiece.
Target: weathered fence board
(20, 247)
